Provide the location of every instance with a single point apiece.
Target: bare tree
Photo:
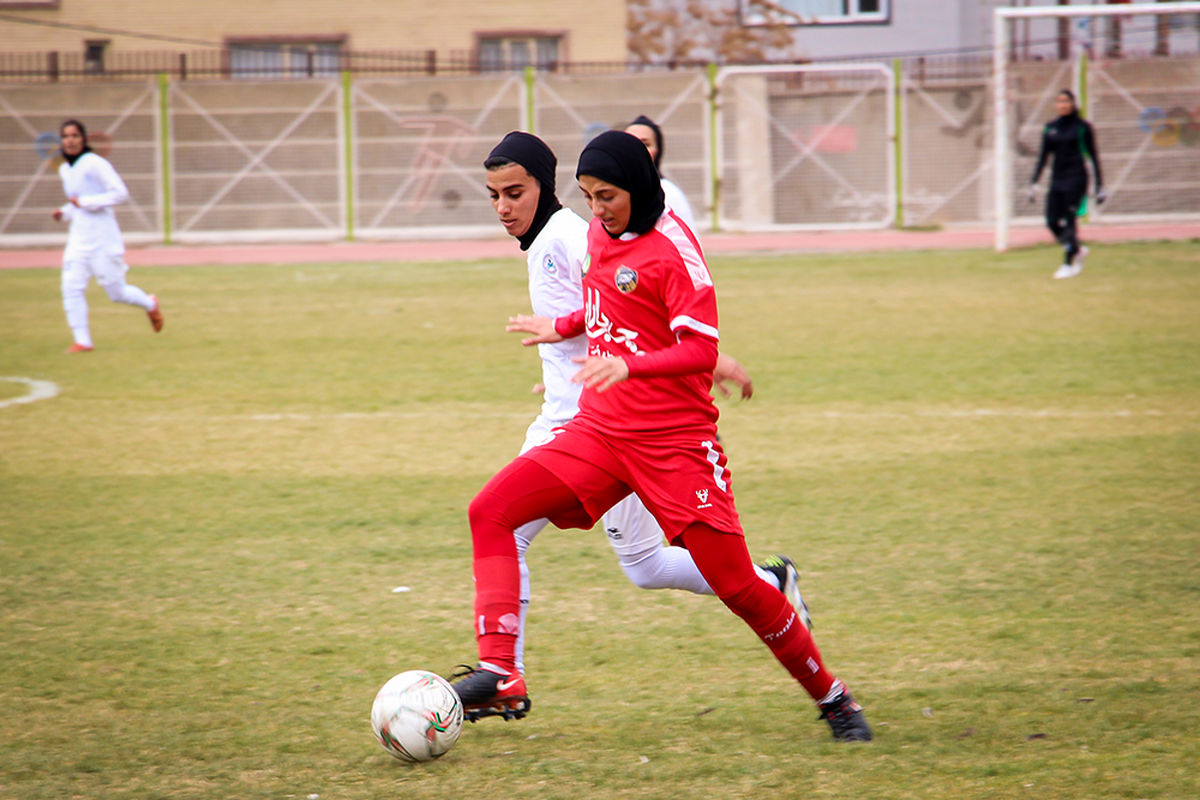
(674, 31)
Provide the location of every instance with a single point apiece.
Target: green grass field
(989, 479)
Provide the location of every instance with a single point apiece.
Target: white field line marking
(1017, 413)
(378, 415)
(950, 413)
(38, 390)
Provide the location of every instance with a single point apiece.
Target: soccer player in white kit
(94, 245)
(648, 132)
(520, 180)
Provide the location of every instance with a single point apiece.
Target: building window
(291, 59)
(518, 52)
(93, 55)
(813, 12)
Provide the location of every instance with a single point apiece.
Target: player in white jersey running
(94, 245)
(520, 180)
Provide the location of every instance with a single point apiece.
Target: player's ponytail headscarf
(621, 159)
(82, 132)
(658, 138)
(539, 161)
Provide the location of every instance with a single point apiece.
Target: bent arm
(114, 192)
(692, 353)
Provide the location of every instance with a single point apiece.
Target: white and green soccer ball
(417, 716)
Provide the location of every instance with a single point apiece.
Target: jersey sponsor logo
(626, 279)
(549, 265)
(599, 326)
(614, 533)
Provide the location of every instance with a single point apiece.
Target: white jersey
(555, 290)
(97, 187)
(677, 201)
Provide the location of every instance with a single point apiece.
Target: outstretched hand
(600, 373)
(542, 329)
(728, 369)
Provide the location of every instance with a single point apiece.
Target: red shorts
(681, 477)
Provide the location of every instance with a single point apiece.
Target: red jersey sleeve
(571, 325)
(694, 353)
(689, 296)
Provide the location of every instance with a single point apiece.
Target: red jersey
(642, 294)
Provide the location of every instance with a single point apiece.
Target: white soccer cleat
(1065, 271)
(1077, 262)
(788, 576)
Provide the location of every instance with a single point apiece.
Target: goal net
(1135, 70)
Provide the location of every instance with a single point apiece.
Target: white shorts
(629, 525)
(105, 268)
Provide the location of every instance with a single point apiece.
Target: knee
(115, 290)
(482, 509)
(736, 594)
(645, 570)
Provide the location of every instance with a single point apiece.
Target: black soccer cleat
(846, 720)
(489, 694)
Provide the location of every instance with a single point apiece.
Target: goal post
(1135, 69)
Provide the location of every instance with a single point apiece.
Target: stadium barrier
(905, 142)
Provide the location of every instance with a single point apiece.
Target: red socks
(725, 564)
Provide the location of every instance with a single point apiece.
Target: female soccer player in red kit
(646, 423)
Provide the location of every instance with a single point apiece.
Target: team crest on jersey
(587, 263)
(550, 266)
(626, 279)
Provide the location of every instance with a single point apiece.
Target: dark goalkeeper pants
(1062, 209)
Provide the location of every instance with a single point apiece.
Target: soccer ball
(417, 716)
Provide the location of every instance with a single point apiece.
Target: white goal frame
(1001, 38)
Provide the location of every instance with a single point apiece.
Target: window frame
(751, 18)
(532, 37)
(287, 47)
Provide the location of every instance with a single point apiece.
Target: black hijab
(621, 159)
(658, 140)
(538, 160)
(82, 132)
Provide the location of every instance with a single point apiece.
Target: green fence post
(898, 72)
(164, 150)
(530, 85)
(348, 149)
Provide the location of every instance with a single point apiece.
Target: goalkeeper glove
(1101, 195)
(1031, 193)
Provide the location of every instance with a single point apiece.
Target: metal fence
(354, 154)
